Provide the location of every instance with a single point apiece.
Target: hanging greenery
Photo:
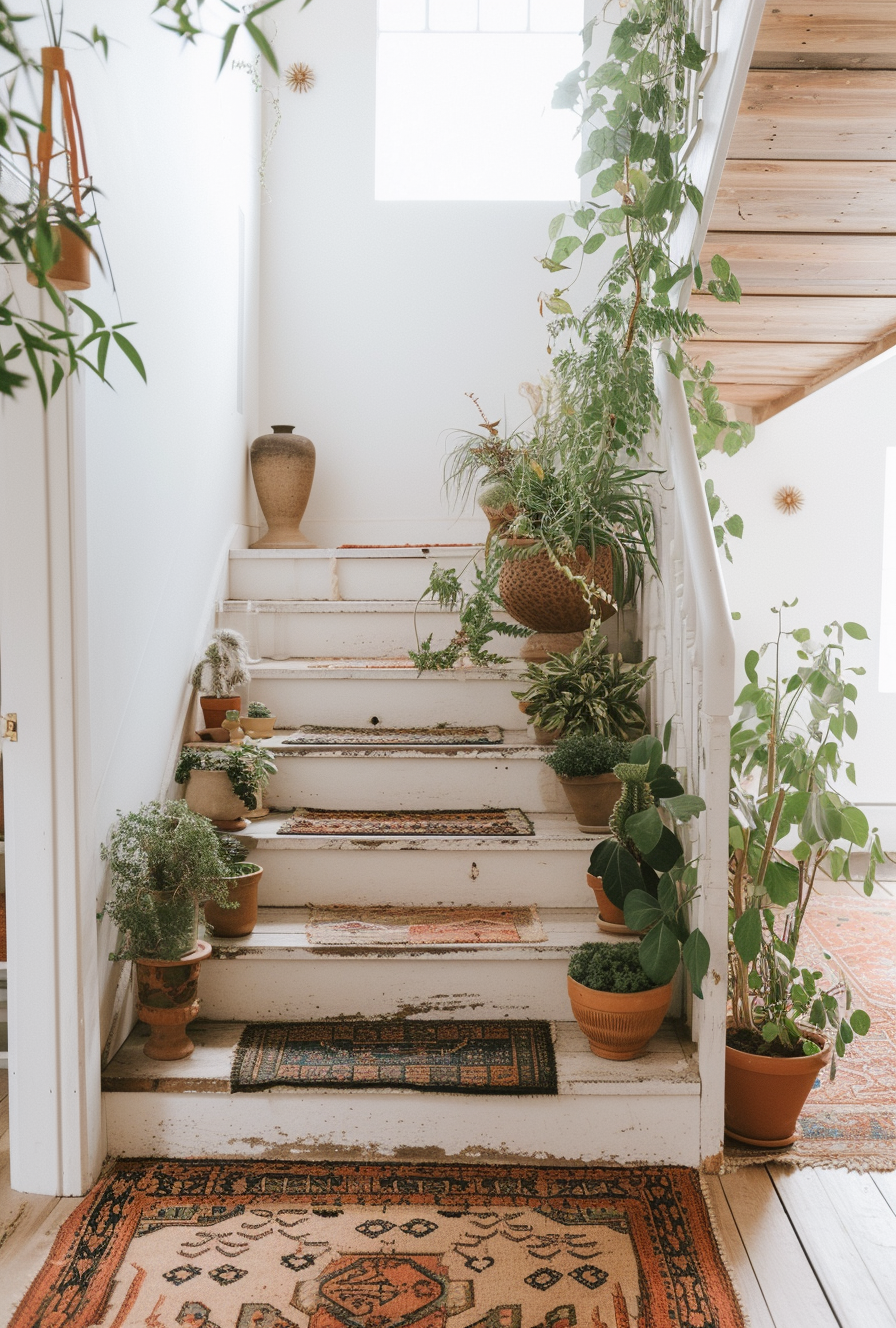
(635, 105)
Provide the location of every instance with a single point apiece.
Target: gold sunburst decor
(300, 78)
(788, 500)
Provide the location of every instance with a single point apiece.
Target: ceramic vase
(283, 471)
(166, 1000)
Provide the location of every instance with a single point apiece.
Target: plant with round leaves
(787, 754)
(643, 865)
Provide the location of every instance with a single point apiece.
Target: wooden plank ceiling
(806, 211)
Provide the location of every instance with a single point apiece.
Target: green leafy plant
(165, 861)
(634, 110)
(258, 711)
(224, 667)
(586, 755)
(247, 766)
(643, 865)
(590, 690)
(786, 760)
(602, 966)
(232, 850)
(478, 623)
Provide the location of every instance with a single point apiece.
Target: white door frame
(56, 1135)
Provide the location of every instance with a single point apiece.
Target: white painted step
(353, 692)
(509, 774)
(333, 574)
(615, 1112)
(547, 868)
(277, 973)
(375, 629)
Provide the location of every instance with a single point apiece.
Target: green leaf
(748, 935)
(556, 226)
(769, 1032)
(619, 870)
(685, 806)
(263, 44)
(781, 883)
(854, 825)
(557, 305)
(644, 829)
(660, 954)
(594, 242)
(750, 666)
(566, 245)
(860, 1022)
(720, 267)
(228, 40)
(647, 751)
(131, 352)
(735, 526)
(641, 910)
(695, 953)
(856, 631)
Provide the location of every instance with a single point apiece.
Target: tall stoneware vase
(166, 1000)
(283, 472)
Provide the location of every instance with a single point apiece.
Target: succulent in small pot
(223, 668)
(616, 1004)
(165, 862)
(226, 783)
(239, 916)
(259, 721)
(584, 764)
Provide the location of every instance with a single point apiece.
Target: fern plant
(478, 623)
(225, 665)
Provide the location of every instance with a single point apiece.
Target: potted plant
(787, 1022)
(223, 668)
(617, 1005)
(584, 764)
(259, 721)
(239, 915)
(226, 783)
(165, 861)
(589, 690)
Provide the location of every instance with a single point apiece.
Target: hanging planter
(71, 271)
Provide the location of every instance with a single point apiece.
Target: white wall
(832, 447)
(377, 317)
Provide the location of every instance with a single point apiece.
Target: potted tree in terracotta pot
(165, 862)
(788, 1022)
(584, 763)
(226, 783)
(240, 914)
(223, 668)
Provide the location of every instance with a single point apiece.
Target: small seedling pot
(618, 1026)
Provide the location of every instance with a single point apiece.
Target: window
(887, 682)
(463, 100)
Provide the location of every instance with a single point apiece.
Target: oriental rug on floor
(248, 1244)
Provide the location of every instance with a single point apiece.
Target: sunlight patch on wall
(888, 581)
(463, 101)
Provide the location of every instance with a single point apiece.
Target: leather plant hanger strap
(53, 62)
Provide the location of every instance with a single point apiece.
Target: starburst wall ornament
(300, 78)
(788, 500)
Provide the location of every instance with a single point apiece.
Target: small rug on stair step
(438, 735)
(309, 821)
(850, 1122)
(430, 1055)
(388, 924)
(282, 1244)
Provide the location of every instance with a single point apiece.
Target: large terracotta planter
(538, 595)
(592, 799)
(167, 1001)
(210, 793)
(283, 472)
(618, 1027)
(239, 921)
(764, 1095)
(214, 709)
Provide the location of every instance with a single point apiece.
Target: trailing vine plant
(635, 105)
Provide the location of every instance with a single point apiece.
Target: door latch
(10, 727)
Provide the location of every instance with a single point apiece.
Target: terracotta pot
(764, 1095)
(283, 472)
(166, 1000)
(258, 728)
(238, 921)
(605, 907)
(543, 737)
(592, 799)
(537, 595)
(618, 1027)
(210, 793)
(71, 271)
(214, 709)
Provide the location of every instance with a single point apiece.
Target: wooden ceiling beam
(820, 114)
(836, 196)
(839, 34)
(784, 318)
(806, 264)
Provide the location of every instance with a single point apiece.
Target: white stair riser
(294, 634)
(624, 1129)
(412, 782)
(396, 703)
(343, 578)
(307, 986)
(424, 878)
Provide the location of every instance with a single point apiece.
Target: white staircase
(348, 666)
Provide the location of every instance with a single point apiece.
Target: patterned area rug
(307, 821)
(429, 1055)
(439, 735)
(380, 1245)
(852, 1121)
(390, 925)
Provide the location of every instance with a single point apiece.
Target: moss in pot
(617, 1005)
(584, 764)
